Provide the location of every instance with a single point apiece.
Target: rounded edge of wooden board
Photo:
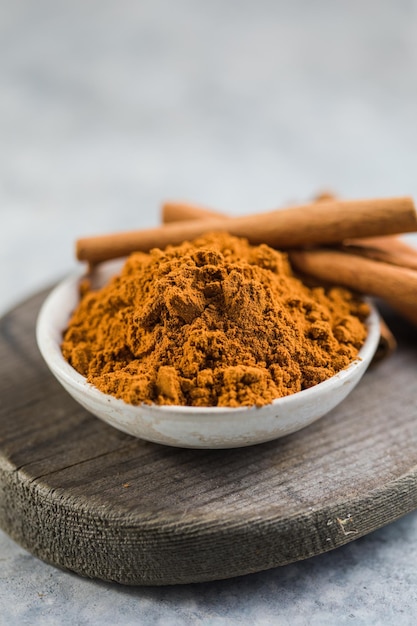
(163, 551)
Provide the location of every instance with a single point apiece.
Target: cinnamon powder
(214, 322)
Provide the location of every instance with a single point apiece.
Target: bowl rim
(50, 348)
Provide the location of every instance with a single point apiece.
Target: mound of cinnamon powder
(214, 322)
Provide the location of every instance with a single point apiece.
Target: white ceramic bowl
(192, 427)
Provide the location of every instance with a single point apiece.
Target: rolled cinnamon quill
(319, 222)
(394, 284)
(183, 211)
(388, 248)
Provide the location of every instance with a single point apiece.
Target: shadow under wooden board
(86, 497)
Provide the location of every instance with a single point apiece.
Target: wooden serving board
(83, 496)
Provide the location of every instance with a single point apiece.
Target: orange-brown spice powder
(213, 322)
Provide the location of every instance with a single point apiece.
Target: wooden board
(83, 496)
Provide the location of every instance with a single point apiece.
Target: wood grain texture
(86, 497)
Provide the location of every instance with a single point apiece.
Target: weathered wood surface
(83, 496)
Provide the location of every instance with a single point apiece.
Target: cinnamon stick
(396, 285)
(183, 211)
(319, 222)
(389, 249)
